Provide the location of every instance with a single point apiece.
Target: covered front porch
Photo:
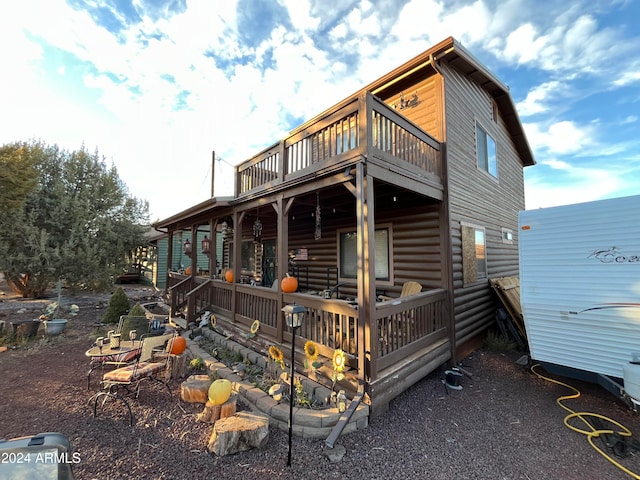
(351, 204)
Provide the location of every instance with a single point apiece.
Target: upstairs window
(486, 152)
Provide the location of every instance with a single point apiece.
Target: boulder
(238, 433)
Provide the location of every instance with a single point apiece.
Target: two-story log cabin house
(417, 177)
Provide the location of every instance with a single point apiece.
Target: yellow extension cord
(592, 432)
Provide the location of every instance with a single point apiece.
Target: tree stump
(195, 389)
(213, 413)
(176, 366)
(239, 433)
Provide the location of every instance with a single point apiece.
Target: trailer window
(474, 259)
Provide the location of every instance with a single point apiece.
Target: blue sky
(156, 85)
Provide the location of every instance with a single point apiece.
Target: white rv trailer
(580, 289)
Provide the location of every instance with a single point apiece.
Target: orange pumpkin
(229, 276)
(289, 284)
(187, 271)
(179, 345)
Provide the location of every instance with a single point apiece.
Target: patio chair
(113, 361)
(408, 289)
(125, 382)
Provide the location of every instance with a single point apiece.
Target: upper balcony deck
(364, 126)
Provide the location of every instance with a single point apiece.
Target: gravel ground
(503, 424)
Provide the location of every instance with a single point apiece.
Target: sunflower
(276, 354)
(311, 351)
(255, 326)
(339, 360)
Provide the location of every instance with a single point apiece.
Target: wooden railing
(406, 324)
(402, 325)
(257, 303)
(338, 134)
(330, 323)
(394, 135)
(179, 287)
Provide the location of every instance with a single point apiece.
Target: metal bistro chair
(131, 376)
(124, 328)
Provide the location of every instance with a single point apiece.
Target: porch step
(178, 322)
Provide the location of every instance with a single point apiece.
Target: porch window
(348, 253)
(474, 258)
(486, 151)
(248, 257)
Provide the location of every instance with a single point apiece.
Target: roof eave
(200, 208)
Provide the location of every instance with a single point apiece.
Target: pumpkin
(179, 345)
(187, 271)
(229, 276)
(289, 284)
(220, 391)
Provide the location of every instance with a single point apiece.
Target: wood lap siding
(477, 197)
(427, 113)
(415, 246)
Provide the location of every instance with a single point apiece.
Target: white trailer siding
(580, 283)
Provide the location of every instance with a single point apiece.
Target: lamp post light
(294, 316)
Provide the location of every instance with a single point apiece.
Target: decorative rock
(239, 433)
(335, 454)
(195, 389)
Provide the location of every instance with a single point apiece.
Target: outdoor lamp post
(294, 316)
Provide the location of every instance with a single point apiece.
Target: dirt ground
(503, 424)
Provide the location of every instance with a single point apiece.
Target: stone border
(307, 423)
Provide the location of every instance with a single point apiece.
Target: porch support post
(169, 257)
(235, 267)
(191, 301)
(213, 248)
(193, 256)
(365, 228)
(282, 266)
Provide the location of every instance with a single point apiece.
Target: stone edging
(307, 423)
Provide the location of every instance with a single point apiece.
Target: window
(348, 253)
(248, 257)
(507, 236)
(474, 259)
(486, 151)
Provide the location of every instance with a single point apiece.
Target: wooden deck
(364, 126)
(403, 328)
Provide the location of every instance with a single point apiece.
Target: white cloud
(238, 109)
(538, 98)
(560, 138)
(627, 78)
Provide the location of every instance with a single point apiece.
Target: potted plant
(53, 324)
